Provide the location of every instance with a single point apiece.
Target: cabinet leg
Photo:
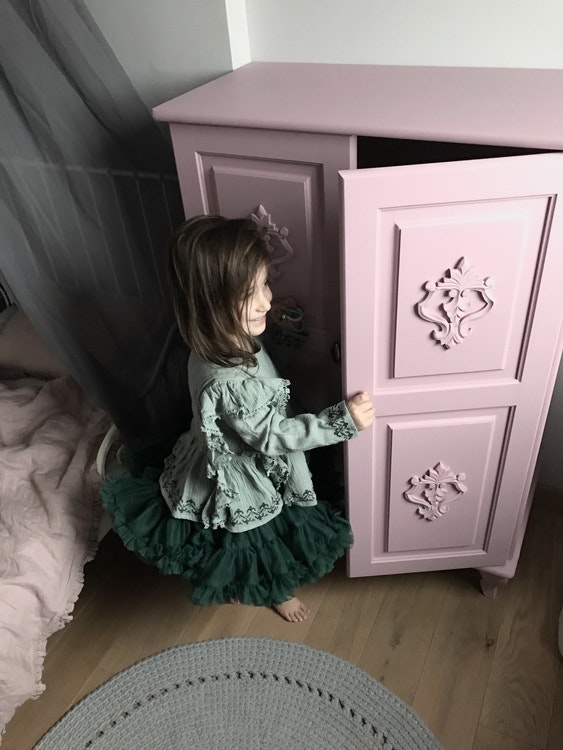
(490, 584)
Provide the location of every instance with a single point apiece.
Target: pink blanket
(49, 516)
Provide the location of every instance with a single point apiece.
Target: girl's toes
(293, 610)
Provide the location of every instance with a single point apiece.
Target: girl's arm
(269, 432)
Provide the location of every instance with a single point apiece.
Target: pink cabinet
(419, 224)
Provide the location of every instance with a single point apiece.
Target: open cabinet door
(453, 304)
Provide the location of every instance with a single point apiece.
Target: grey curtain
(88, 199)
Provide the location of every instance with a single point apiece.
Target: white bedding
(49, 518)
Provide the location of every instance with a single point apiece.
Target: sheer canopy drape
(88, 199)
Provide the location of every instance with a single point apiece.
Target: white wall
(166, 46)
(494, 33)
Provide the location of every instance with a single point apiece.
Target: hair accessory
(275, 238)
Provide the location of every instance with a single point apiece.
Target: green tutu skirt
(262, 566)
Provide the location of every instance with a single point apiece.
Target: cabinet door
(288, 181)
(453, 278)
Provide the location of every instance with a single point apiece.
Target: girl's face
(256, 305)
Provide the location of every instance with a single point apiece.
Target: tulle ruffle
(261, 566)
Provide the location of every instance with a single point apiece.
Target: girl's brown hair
(212, 263)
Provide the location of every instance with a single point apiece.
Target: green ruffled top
(243, 456)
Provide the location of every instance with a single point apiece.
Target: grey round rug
(240, 693)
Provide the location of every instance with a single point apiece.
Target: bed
(50, 511)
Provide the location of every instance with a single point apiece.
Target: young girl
(234, 510)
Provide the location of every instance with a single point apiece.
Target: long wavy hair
(212, 264)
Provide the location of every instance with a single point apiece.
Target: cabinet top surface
(505, 106)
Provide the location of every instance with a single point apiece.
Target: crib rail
(113, 223)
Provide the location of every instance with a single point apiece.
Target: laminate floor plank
(520, 697)
(488, 739)
(398, 642)
(555, 741)
(218, 621)
(345, 616)
(162, 605)
(455, 675)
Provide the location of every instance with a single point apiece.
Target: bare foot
(293, 610)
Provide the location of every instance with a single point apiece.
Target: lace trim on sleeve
(301, 498)
(338, 420)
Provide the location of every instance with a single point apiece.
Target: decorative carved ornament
(275, 238)
(454, 302)
(435, 491)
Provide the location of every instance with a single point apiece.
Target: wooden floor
(483, 674)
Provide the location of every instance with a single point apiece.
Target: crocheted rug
(245, 693)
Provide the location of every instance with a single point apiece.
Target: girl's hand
(361, 410)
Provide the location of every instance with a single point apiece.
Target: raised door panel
(477, 276)
(452, 319)
(287, 182)
(291, 195)
(451, 495)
